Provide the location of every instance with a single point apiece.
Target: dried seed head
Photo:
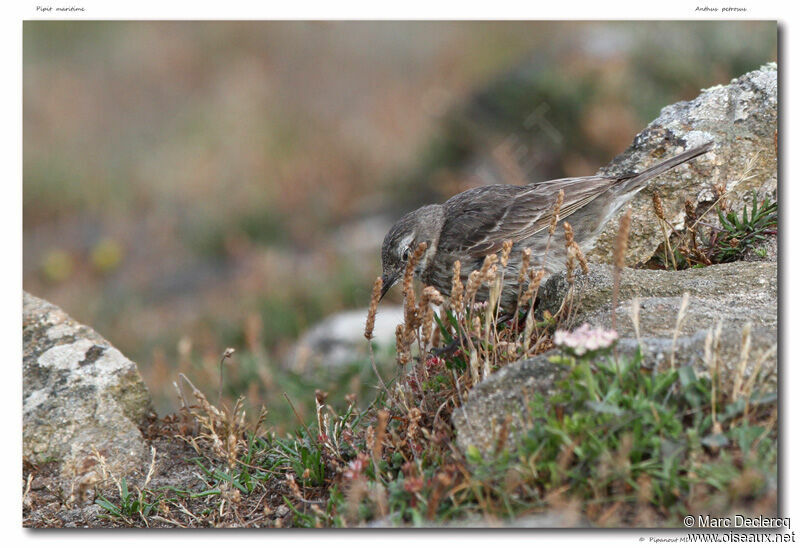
(533, 286)
(556, 211)
(721, 188)
(621, 246)
(568, 234)
(415, 258)
(410, 311)
(524, 266)
(473, 283)
(581, 258)
(570, 264)
(488, 263)
(457, 288)
(491, 275)
(507, 245)
(427, 327)
(380, 433)
(435, 337)
(373, 307)
(414, 416)
(431, 295)
(691, 213)
(408, 276)
(476, 326)
(403, 351)
(480, 276)
(657, 205)
(412, 314)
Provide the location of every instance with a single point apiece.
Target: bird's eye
(405, 254)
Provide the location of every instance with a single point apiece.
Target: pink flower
(356, 466)
(585, 339)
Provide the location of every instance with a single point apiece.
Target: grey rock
(741, 118)
(735, 294)
(506, 393)
(80, 394)
(338, 340)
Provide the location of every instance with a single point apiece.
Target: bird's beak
(388, 281)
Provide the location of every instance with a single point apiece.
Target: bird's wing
(479, 220)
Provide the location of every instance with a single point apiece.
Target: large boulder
(81, 398)
(741, 118)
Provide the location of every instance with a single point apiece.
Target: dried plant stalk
(662, 223)
(570, 265)
(581, 258)
(556, 211)
(568, 235)
(620, 248)
(412, 318)
(533, 289)
(373, 307)
(430, 296)
(524, 266)
(678, 325)
(456, 288)
(403, 349)
(506, 252)
(380, 434)
(658, 206)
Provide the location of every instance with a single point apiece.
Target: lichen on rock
(81, 396)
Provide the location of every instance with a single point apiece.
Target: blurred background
(192, 186)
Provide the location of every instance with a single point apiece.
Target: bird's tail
(638, 180)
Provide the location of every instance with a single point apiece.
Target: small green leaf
(109, 506)
(603, 407)
(687, 376)
(474, 455)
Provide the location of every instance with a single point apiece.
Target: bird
(475, 223)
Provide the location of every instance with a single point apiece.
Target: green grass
(737, 234)
(614, 434)
(131, 506)
(614, 427)
(622, 444)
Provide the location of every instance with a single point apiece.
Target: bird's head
(421, 225)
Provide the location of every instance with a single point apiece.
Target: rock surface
(741, 118)
(735, 294)
(729, 295)
(79, 394)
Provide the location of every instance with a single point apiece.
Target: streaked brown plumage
(474, 223)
